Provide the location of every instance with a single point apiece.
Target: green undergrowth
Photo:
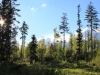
(9, 68)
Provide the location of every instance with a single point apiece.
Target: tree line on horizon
(78, 49)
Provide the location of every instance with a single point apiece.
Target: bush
(63, 64)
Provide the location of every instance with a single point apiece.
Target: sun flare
(1, 21)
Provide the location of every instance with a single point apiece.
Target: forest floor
(10, 68)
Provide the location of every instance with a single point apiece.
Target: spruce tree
(93, 21)
(23, 30)
(32, 47)
(79, 37)
(2, 42)
(56, 36)
(71, 42)
(8, 12)
(64, 27)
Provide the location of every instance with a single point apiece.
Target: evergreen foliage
(52, 58)
(64, 27)
(32, 47)
(24, 32)
(9, 32)
(79, 37)
(93, 21)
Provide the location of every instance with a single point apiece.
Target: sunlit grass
(79, 72)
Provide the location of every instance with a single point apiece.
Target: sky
(42, 16)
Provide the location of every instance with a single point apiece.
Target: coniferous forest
(81, 56)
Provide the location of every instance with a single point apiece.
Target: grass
(79, 72)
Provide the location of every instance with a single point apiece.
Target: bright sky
(42, 16)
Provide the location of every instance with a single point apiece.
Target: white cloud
(86, 30)
(51, 37)
(19, 41)
(43, 5)
(46, 37)
(33, 9)
(67, 37)
(98, 30)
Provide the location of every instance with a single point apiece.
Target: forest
(81, 56)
